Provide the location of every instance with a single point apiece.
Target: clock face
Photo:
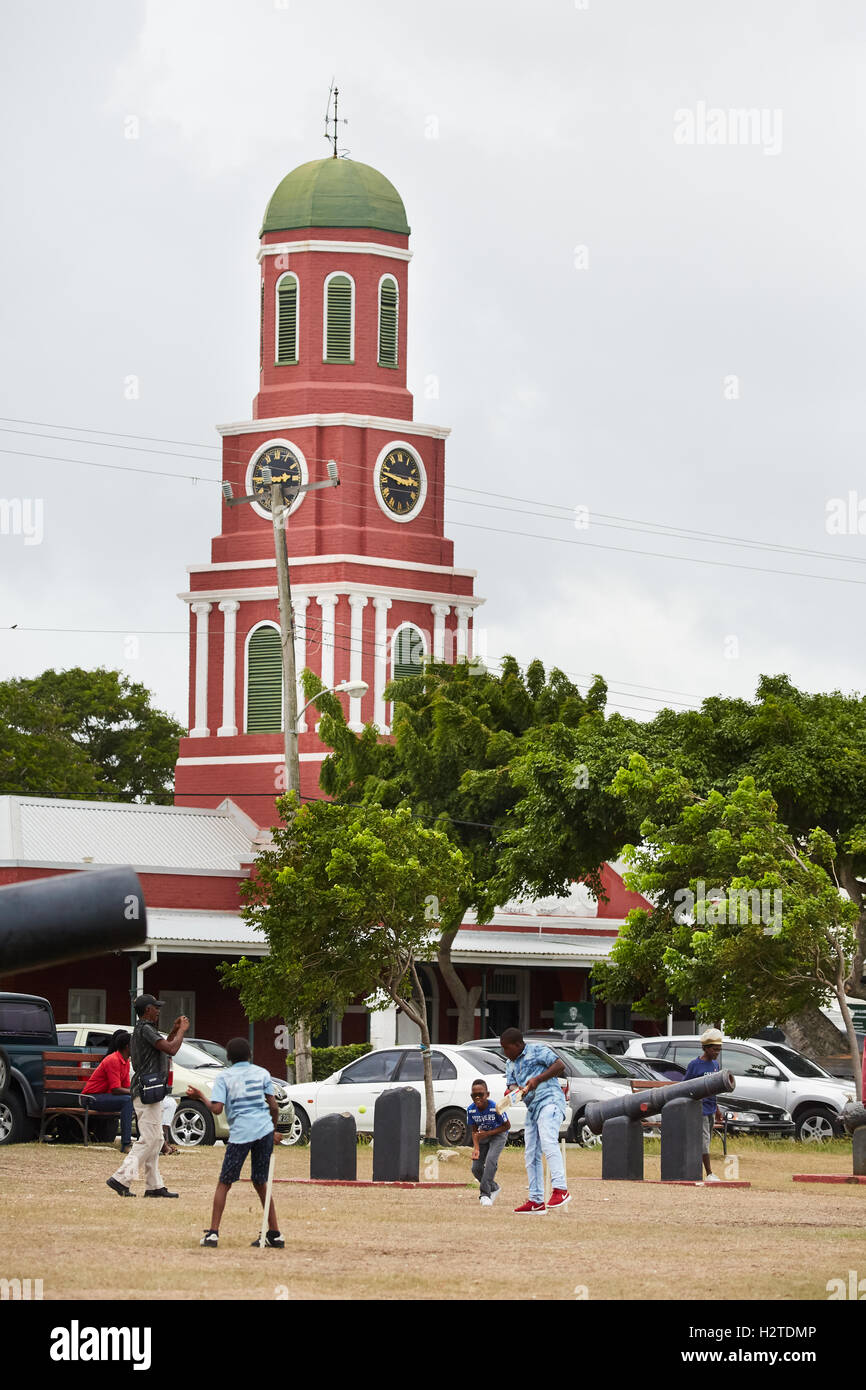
(400, 481)
(285, 470)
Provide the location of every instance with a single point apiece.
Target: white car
(767, 1071)
(355, 1089)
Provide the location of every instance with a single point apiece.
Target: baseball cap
(144, 1001)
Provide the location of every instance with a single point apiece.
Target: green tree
(748, 919)
(456, 733)
(807, 750)
(350, 898)
(84, 733)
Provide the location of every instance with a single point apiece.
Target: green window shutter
(264, 682)
(287, 326)
(408, 653)
(338, 346)
(388, 324)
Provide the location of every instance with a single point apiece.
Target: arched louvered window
(388, 321)
(339, 318)
(287, 319)
(409, 652)
(264, 682)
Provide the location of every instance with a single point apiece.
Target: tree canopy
(84, 733)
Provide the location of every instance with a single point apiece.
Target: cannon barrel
(48, 921)
(643, 1103)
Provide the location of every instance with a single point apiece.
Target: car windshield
(487, 1063)
(799, 1065)
(588, 1061)
(212, 1049)
(194, 1058)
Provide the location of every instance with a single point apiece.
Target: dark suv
(26, 1030)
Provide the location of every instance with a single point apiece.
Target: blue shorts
(260, 1151)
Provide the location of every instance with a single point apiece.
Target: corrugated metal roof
(43, 830)
(210, 929)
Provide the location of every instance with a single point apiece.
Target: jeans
(541, 1135)
(484, 1168)
(99, 1104)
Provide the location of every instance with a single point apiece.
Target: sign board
(573, 1014)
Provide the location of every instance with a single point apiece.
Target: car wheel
(452, 1129)
(583, 1135)
(816, 1125)
(15, 1128)
(299, 1130)
(192, 1125)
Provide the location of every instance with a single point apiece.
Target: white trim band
(339, 248)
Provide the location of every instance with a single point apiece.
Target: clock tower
(374, 587)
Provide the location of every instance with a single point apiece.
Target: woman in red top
(108, 1088)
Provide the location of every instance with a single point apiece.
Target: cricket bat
(266, 1205)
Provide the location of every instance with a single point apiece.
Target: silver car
(771, 1072)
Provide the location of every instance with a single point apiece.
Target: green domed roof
(335, 193)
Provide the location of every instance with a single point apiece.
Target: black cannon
(643, 1103)
(48, 921)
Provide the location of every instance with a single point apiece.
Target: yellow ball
(362, 1109)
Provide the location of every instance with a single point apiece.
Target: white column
(228, 608)
(200, 728)
(299, 609)
(464, 613)
(380, 669)
(440, 613)
(327, 603)
(358, 603)
(383, 1027)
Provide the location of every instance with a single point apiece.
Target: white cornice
(373, 560)
(356, 422)
(339, 248)
(335, 586)
(218, 761)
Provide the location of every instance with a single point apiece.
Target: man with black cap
(149, 1053)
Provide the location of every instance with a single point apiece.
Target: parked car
(213, 1049)
(355, 1088)
(193, 1124)
(27, 1029)
(767, 1072)
(760, 1118)
(613, 1041)
(589, 1074)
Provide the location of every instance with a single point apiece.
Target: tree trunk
(464, 998)
(811, 1033)
(429, 1099)
(303, 1057)
(851, 1036)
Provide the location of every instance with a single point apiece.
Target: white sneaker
(495, 1193)
(711, 1177)
(486, 1202)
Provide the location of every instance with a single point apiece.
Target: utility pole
(280, 505)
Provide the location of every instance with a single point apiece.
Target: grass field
(778, 1240)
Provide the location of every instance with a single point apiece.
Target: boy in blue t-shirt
(247, 1092)
(702, 1066)
(490, 1129)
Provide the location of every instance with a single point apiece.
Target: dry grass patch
(779, 1240)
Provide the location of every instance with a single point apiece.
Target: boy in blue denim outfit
(489, 1128)
(532, 1069)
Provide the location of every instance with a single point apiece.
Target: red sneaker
(533, 1208)
(559, 1196)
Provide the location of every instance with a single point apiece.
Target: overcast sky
(632, 301)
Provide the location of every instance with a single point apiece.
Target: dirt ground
(777, 1240)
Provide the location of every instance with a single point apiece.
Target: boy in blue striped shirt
(247, 1092)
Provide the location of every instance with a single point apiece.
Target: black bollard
(858, 1143)
(622, 1149)
(334, 1148)
(397, 1135)
(682, 1140)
